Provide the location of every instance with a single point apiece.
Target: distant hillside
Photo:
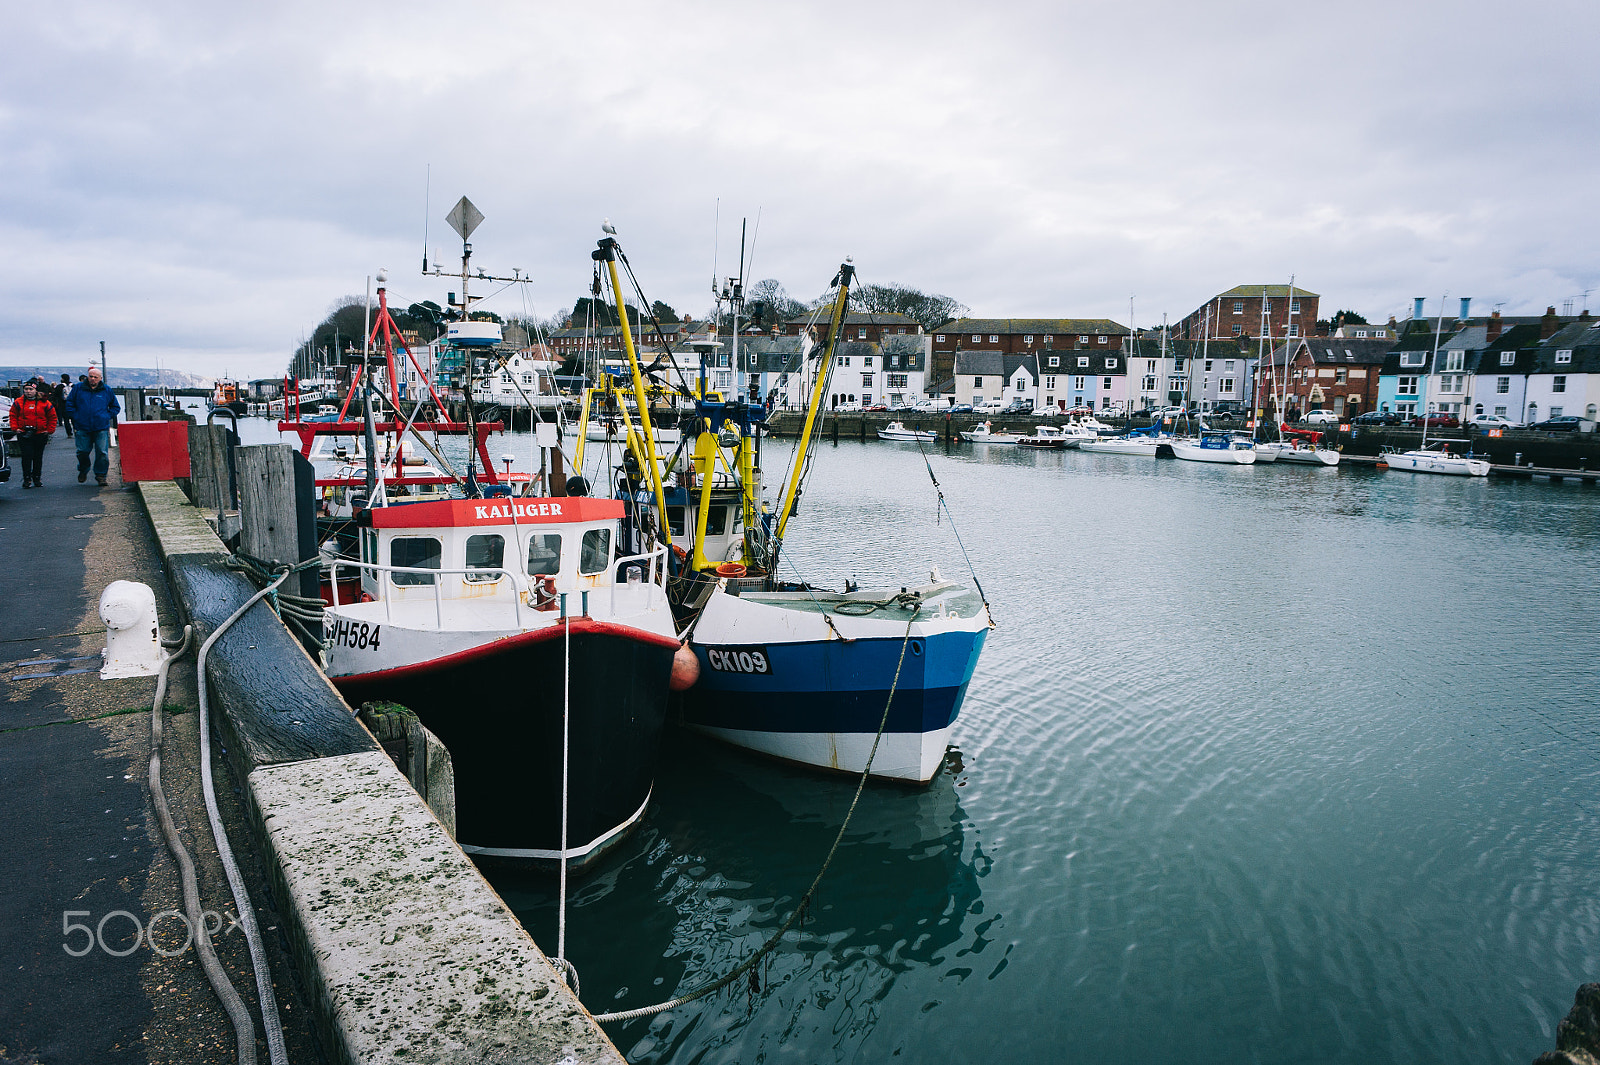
(119, 376)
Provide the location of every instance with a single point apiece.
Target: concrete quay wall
(407, 951)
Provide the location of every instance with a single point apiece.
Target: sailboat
(789, 669)
(1437, 459)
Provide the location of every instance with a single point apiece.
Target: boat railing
(518, 585)
(653, 572)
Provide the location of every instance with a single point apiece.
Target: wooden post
(269, 489)
(209, 482)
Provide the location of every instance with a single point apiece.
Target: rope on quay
(805, 900)
(244, 1029)
(241, 896)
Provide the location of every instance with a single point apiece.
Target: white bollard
(133, 637)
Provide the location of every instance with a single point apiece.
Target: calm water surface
(1261, 765)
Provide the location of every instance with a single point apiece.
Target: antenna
(427, 188)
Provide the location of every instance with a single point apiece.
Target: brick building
(1238, 313)
(1021, 336)
(1337, 374)
(864, 326)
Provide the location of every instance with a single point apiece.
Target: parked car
(876, 408)
(1320, 417)
(1379, 417)
(1080, 412)
(961, 408)
(1567, 423)
(1493, 421)
(1116, 410)
(1436, 420)
(1017, 406)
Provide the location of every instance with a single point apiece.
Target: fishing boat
(514, 631)
(788, 668)
(986, 434)
(1048, 437)
(897, 431)
(1214, 446)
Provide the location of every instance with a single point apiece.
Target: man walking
(94, 409)
(34, 418)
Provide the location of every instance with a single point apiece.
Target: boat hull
(497, 707)
(1120, 447)
(772, 681)
(1230, 456)
(1433, 462)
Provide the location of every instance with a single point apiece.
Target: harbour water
(1269, 765)
(1260, 765)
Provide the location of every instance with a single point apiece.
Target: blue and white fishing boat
(787, 668)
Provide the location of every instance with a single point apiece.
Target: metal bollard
(133, 639)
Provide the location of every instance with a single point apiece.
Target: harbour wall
(407, 952)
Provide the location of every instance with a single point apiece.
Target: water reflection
(728, 848)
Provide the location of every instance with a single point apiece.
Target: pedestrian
(34, 418)
(94, 409)
(58, 396)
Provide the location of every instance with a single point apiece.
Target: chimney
(1416, 308)
(1466, 302)
(1549, 323)
(1495, 325)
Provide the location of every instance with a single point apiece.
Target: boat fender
(685, 669)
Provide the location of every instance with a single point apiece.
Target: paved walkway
(79, 840)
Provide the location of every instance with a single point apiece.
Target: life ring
(731, 569)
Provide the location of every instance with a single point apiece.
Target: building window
(1028, 339)
(1227, 366)
(1148, 384)
(1360, 333)
(1294, 330)
(940, 338)
(1502, 385)
(895, 380)
(1238, 330)
(1177, 365)
(844, 360)
(994, 338)
(1413, 358)
(1048, 338)
(977, 382)
(1406, 386)
(1106, 385)
(1341, 375)
(1500, 411)
(1226, 387)
(977, 338)
(1238, 308)
(866, 380)
(1564, 355)
(1111, 364)
(1453, 383)
(1294, 306)
(861, 333)
(1083, 362)
(1101, 340)
(1508, 358)
(866, 361)
(1083, 340)
(1555, 412)
(1208, 364)
(1077, 384)
(1050, 383)
(1149, 366)
(1055, 360)
(1558, 383)
(1453, 360)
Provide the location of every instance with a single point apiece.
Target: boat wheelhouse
(495, 619)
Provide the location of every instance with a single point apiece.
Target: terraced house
(1253, 311)
(1022, 336)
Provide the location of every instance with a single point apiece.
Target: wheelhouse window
(414, 552)
(595, 554)
(486, 551)
(544, 554)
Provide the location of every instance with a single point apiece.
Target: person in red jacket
(34, 418)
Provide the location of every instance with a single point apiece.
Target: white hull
(990, 438)
(1436, 462)
(1307, 456)
(901, 755)
(1228, 456)
(1266, 453)
(1120, 447)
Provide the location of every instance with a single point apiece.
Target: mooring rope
(805, 900)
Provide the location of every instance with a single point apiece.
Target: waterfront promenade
(80, 836)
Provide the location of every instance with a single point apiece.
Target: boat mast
(824, 373)
(607, 253)
(1433, 364)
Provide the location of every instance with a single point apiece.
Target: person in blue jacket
(94, 409)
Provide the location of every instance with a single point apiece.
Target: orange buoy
(731, 569)
(685, 669)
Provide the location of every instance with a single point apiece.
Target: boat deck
(953, 600)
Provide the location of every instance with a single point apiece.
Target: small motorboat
(1048, 436)
(897, 431)
(985, 434)
(1213, 446)
(1435, 461)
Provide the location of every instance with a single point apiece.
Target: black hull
(500, 715)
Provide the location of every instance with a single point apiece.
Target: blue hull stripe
(833, 686)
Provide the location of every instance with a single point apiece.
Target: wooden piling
(271, 488)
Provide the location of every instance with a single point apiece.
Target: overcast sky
(200, 182)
